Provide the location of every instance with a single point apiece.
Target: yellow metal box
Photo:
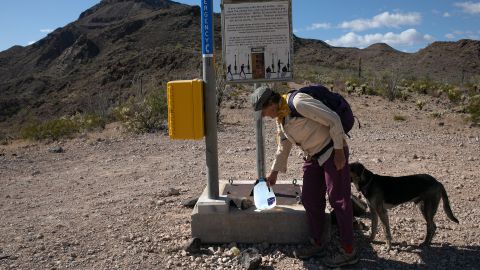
(185, 109)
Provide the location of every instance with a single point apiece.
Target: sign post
(257, 47)
(210, 97)
(259, 132)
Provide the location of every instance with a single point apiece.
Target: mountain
(118, 47)
(441, 61)
(100, 57)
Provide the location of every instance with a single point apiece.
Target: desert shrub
(399, 118)
(386, 84)
(420, 104)
(420, 86)
(403, 95)
(147, 115)
(453, 94)
(436, 114)
(61, 127)
(473, 108)
(3, 139)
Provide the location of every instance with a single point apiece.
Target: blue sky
(406, 25)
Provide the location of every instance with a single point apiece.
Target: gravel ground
(109, 200)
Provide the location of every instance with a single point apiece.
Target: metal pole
(260, 143)
(210, 98)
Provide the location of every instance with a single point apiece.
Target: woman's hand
(272, 178)
(339, 159)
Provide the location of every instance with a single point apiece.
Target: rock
(250, 259)
(246, 203)
(56, 149)
(193, 246)
(190, 203)
(173, 192)
(235, 251)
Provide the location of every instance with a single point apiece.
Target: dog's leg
(430, 209)
(384, 219)
(374, 217)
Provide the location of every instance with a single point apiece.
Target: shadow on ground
(437, 257)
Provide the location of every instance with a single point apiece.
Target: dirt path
(109, 200)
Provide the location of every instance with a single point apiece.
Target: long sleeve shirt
(311, 133)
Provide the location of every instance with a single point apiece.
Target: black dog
(384, 192)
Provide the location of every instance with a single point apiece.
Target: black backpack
(332, 100)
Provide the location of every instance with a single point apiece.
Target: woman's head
(266, 100)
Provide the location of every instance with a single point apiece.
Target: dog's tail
(446, 206)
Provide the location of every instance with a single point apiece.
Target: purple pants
(317, 180)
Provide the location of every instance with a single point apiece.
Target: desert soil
(112, 200)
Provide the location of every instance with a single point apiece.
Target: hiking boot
(342, 259)
(309, 252)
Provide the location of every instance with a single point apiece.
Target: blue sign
(207, 28)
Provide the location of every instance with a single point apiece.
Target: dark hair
(273, 99)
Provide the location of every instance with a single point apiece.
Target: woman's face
(270, 111)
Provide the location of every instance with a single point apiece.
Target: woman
(320, 135)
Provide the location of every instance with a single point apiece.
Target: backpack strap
(293, 110)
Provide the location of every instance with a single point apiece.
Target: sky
(406, 25)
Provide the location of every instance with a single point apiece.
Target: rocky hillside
(100, 57)
(441, 61)
(118, 47)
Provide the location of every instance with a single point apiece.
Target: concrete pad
(208, 206)
(284, 224)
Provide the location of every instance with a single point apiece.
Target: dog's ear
(356, 168)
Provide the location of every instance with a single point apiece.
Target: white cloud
(446, 14)
(46, 30)
(450, 36)
(384, 19)
(30, 43)
(315, 26)
(469, 7)
(407, 37)
(464, 34)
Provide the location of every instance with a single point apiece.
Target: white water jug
(263, 196)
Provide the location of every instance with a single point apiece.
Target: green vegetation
(420, 104)
(392, 85)
(399, 118)
(3, 139)
(436, 114)
(146, 115)
(474, 108)
(61, 127)
(146, 109)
